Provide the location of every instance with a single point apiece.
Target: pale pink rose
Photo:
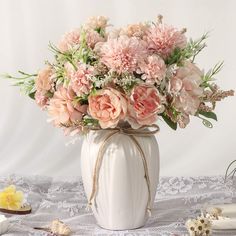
(122, 54)
(163, 39)
(69, 40)
(63, 110)
(185, 87)
(80, 79)
(41, 99)
(43, 81)
(108, 106)
(145, 103)
(154, 69)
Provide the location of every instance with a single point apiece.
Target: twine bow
(144, 132)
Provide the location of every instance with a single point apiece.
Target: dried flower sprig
(57, 228)
(199, 227)
(11, 199)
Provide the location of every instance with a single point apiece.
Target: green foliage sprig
(209, 76)
(26, 82)
(193, 48)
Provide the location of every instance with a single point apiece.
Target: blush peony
(145, 103)
(62, 108)
(108, 106)
(185, 87)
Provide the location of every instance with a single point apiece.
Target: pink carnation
(154, 69)
(122, 54)
(145, 104)
(135, 30)
(185, 86)
(97, 22)
(163, 39)
(63, 110)
(69, 40)
(108, 106)
(93, 37)
(80, 79)
(43, 81)
(41, 99)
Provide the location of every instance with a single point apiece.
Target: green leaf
(169, 122)
(210, 115)
(32, 95)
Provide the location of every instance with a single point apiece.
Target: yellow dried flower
(11, 199)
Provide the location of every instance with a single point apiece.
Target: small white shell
(4, 224)
(60, 228)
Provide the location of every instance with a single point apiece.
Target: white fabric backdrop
(29, 145)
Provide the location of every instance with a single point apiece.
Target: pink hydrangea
(108, 106)
(153, 69)
(185, 87)
(63, 110)
(69, 40)
(145, 103)
(163, 39)
(122, 54)
(80, 79)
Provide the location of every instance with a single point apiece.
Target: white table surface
(177, 199)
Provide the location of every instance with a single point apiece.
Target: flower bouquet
(115, 85)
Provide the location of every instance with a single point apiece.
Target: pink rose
(80, 79)
(43, 81)
(108, 106)
(62, 108)
(185, 87)
(145, 104)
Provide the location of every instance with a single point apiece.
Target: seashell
(214, 212)
(60, 228)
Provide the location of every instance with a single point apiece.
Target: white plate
(4, 224)
(229, 211)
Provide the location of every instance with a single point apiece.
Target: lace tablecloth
(177, 199)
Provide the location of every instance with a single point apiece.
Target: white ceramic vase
(122, 194)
